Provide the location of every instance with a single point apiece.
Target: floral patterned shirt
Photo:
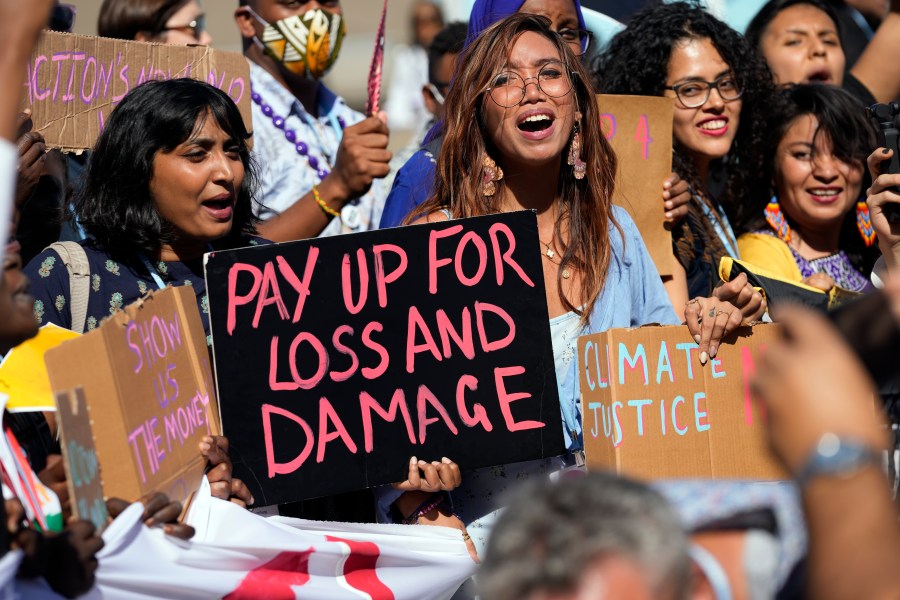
(116, 281)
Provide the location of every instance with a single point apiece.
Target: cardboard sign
(83, 477)
(75, 81)
(640, 131)
(651, 410)
(23, 375)
(145, 376)
(339, 358)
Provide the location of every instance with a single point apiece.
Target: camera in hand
(884, 116)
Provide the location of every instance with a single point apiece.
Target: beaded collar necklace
(291, 136)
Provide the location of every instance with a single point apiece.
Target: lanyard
(721, 225)
(154, 273)
(315, 126)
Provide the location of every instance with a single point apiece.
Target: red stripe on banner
(359, 569)
(275, 579)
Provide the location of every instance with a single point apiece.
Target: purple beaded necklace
(290, 135)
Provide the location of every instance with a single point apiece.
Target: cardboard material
(23, 375)
(339, 358)
(83, 475)
(75, 81)
(651, 410)
(640, 131)
(145, 376)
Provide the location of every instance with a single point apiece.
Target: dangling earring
(579, 167)
(864, 223)
(775, 219)
(491, 174)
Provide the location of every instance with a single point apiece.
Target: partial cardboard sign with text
(651, 410)
(147, 381)
(75, 81)
(640, 131)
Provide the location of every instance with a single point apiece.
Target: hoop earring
(864, 223)
(775, 219)
(579, 167)
(492, 173)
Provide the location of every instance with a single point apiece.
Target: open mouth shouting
(819, 75)
(220, 207)
(536, 124)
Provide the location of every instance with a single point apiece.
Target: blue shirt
(412, 186)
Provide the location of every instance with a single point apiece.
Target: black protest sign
(339, 358)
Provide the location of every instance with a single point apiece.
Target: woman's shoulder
(629, 233)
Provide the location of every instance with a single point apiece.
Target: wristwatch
(841, 456)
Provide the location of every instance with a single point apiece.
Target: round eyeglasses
(507, 89)
(695, 93)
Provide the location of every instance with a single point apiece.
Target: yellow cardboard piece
(23, 374)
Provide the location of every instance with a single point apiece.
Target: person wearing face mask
(322, 163)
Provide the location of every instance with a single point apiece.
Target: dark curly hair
(637, 62)
(114, 205)
(842, 120)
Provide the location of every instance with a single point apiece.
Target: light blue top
(632, 295)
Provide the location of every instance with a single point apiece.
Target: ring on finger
(720, 312)
(693, 301)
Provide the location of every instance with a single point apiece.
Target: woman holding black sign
(522, 132)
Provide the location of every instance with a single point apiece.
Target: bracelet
(435, 501)
(327, 209)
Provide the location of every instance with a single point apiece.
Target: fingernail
(713, 350)
(413, 460)
(168, 529)
(697, 338)
(422, 463)
(252, 500)
(668, 215)
(884, 150)
(703, 358)
(204, 446)
(435, 463)
(446, 460)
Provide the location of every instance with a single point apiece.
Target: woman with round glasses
(522, 132)
(721, 90)
(414, 181)
(176, 22)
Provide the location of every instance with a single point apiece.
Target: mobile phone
(885, 116)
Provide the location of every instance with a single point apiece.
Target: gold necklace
(549, 254)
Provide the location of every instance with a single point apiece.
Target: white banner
(238, 555)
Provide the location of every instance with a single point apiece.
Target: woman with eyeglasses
(414, 181)
(721, 89)
(523, 133)
(176, 22)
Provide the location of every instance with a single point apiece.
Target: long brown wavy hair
(585, 205)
